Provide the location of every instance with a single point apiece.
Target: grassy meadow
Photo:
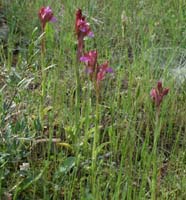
(58, 139)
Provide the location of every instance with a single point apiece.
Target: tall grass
(82, 148)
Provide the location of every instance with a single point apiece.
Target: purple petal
(53, 19)
(109, 70)
(48, 9)
(83, 29)
(91, 34)
(84, 59)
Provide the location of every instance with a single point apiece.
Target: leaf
(24, 83)
(100, 147)
(49, 35)
(47, 109)
(25, 183)
(50, 67)
(68, 164)
(64, 144)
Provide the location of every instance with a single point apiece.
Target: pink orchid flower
(46, 15)
(102, 70)
(90, 60)
(97, 72)
(82, 29)
(158, 93)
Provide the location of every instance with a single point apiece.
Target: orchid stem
(43, 41)
(77, 101)
(154, 154)
(96, 139)
(43, 77)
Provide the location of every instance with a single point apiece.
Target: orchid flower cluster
(157, 94)
(46, 15)
(82, 29)
(96, 72)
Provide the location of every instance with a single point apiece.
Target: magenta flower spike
(90, 60)
(96, 72)
(46, 15)
(102, 70)
(82, 29)
(158, 93)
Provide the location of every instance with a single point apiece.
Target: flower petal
(85, 59)
(53, 19)
(153, 93)
(90, 34)
(109, 70)
(159, 86)
(165, 91)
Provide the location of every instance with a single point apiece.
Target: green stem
(43, 78)
(43, 41)
(154, 155)
(95, 142)
(77, 102)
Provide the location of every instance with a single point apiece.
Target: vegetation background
(57, 145)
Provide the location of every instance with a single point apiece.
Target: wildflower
(82, 29)
(97, 72)
(102, 70)
(82, 26)
(158, 93)
(46, 15)
(90, 60)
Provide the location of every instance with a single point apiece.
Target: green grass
(77, 147)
